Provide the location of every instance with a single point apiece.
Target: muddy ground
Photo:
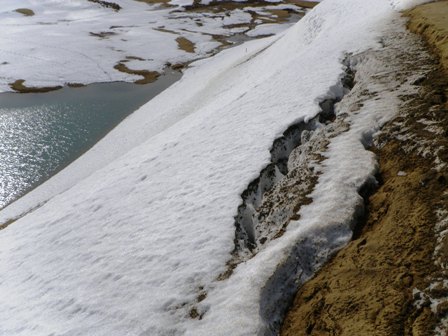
(390, 279)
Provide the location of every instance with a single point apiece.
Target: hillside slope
(204, 211)
(392, 279)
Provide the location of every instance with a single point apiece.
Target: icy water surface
(41, 133)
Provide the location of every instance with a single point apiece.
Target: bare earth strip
(431, 21)
(391, 279)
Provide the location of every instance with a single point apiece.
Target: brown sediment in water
(19, 86)
(368, 288)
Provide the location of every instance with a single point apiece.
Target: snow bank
(135, 247)
(407, 4)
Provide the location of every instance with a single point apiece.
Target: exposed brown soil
(103, 35)
(281, 15)
(107, 4)
(76, 85)
(431, 21)
(185, 44)
(304, 4)
(367, 288)
(19, 86)
(148, 76)
(219, 6)
(216, 7)
(164, 3)
(25, 11)
(270, 16)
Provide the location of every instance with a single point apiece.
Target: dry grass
(185, 44)
(107, 4)
(148, 76)
(25, 11)
(366, 289)
(19, 86)
(431, 21)
(304, 4)
(164, 3)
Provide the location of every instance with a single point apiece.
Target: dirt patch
(431, 21)
(366, 289)
(6, 224)
(107, 4)
(19, 86)
(164, 3)
(281, 15)
(222, 6)
(377, 285)
(185, 44)
(76, 85)
(148, 76)
(304, 4)
(102, 35)
(25, 11)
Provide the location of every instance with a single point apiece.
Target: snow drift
(131, 238)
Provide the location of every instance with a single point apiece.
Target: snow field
(143, 224)
(81, 42)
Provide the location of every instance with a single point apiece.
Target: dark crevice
(250, 235)
(275, 197)
(246, 219)
(306, 256)
(367, 190)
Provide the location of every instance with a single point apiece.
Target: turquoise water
(42, 133)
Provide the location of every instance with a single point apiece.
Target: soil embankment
(390, 279)
(431, 21)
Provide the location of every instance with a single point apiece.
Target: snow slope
(136, 245)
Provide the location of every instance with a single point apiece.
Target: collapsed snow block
(327, 114)
(245, 220)
(284, 145)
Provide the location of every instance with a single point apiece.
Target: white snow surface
(78, 41)
(146, 221)
(408, 4)
(266, 29)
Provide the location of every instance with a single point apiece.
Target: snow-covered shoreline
(145, 224)
(47, 44)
